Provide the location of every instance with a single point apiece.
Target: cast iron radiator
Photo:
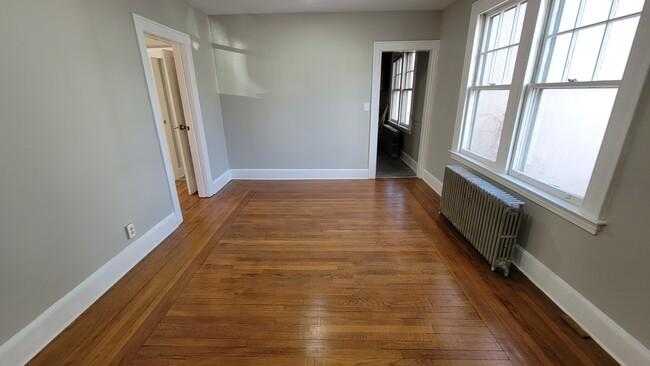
(389, 141)
(487, 217)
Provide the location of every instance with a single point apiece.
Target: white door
(177, 117)
(174, 153)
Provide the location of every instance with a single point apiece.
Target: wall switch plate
(130, 230)
(366, 107)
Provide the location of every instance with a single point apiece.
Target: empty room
(325, 182)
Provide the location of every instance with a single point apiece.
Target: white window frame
(587, 213)
(400, 122)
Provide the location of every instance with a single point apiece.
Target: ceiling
(214, 7)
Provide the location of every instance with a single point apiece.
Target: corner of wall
(23, 346)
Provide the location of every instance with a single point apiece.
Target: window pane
(411, 61)
(618, 49)
(499, 68)
(512, 57)
(626, 7)
(567, 11)
(394, 105)
(565, 139)
(595, 11)
(487, 68)
(585, 54)
(507, 26)
(408, 83)
(520, 21)
(492, 29)
(558, 48)
(405, 112)
(485, 130)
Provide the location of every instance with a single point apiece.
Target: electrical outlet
(130, 230)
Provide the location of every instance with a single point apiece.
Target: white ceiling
(213, 7)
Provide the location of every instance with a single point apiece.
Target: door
(178, 118)
(174, 151)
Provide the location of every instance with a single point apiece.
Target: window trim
(589, 215)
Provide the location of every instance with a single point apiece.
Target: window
(402, 84)
(488, 95)
(546, 87)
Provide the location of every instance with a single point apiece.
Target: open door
(177, 118)
(174, 151)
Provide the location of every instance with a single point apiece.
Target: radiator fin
(485, 215)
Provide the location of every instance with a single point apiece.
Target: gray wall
(610, 269)
(410, 143)
(79, 154)
(292, 86)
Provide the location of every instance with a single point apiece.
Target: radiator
(486, 216)
(389, 141)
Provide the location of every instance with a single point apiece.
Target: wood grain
(319, 273)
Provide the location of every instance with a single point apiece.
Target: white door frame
(182, 47)
(401, 46)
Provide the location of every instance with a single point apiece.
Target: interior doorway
(402, 97)
(401, 107)
(165, 75)
(180, 133)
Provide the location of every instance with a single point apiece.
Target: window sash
(403, 67)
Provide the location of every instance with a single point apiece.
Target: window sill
(571, 213)
(397, 126)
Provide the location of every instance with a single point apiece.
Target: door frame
(182, 47)
(433, 47)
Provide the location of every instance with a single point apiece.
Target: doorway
(401, 106)
(165, 75)
(179, 124)
(402, 98)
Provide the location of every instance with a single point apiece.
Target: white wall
(610, 269)
(292, 86)
(79, 154)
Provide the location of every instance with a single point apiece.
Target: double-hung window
(549, 90)
(402, 84)
(490, 89)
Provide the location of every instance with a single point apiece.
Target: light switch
(366, 107)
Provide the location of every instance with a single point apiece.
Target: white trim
(182, 46)
(400, 46)
(615, 340)
(23, 346)
(292, 174)
(408, 160)
(432, 181)
(220, 182)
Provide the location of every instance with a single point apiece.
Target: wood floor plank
(319, 273)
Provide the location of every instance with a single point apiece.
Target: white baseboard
(290, 174)
(406, 158)
(609, 335)
(34, 337)
(432, 181)
(220, 182)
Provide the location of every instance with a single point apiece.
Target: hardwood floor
(319, 273)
